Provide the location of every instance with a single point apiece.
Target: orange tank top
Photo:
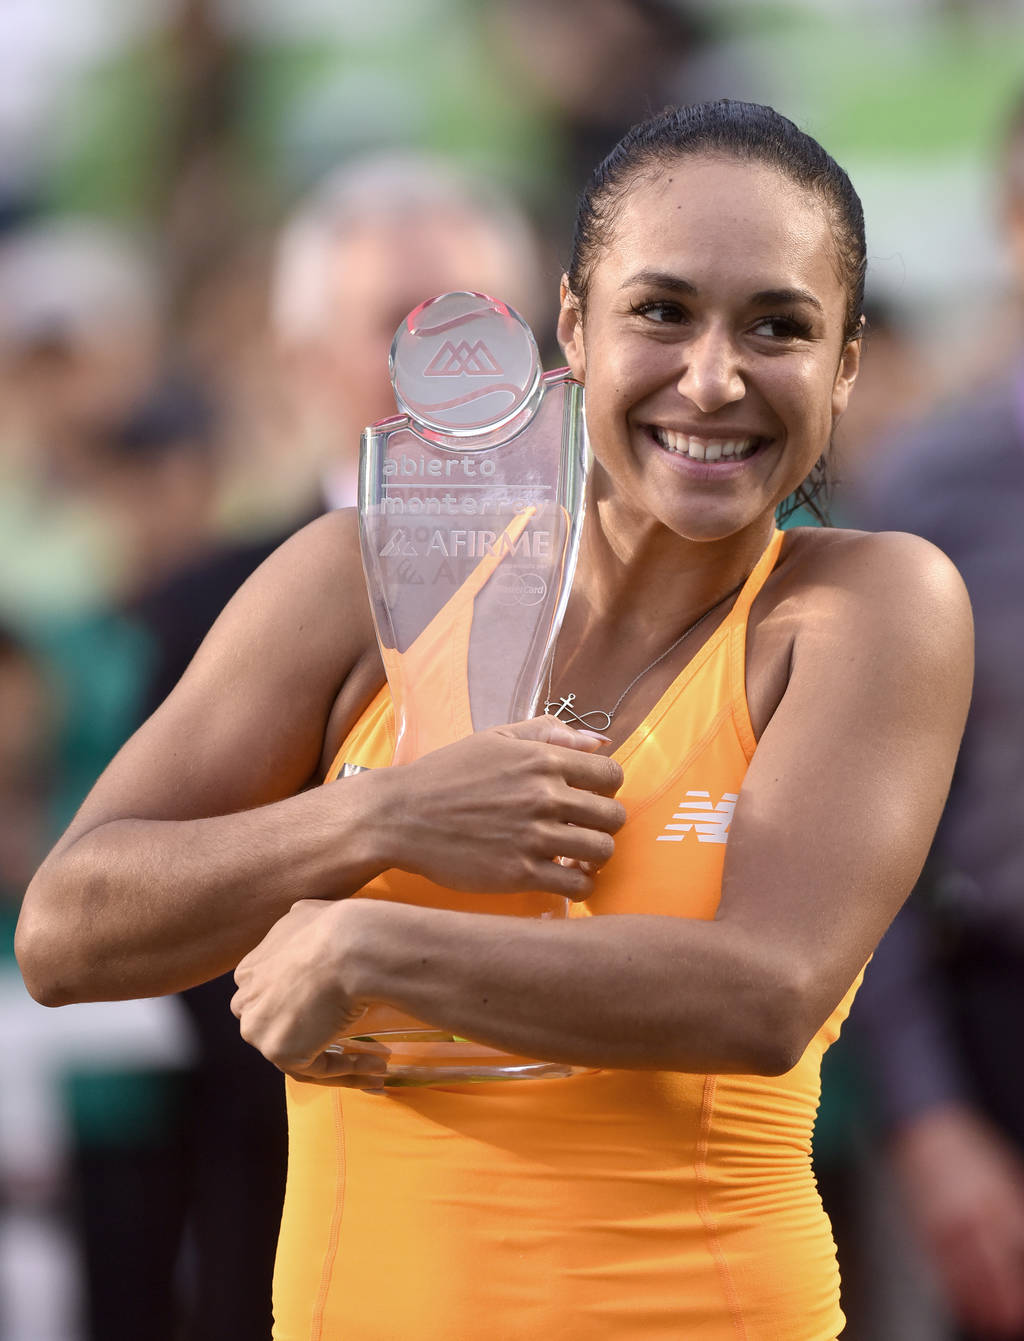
(612, 1206)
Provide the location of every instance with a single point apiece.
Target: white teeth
(702, 449)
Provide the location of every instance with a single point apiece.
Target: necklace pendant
(557, 707)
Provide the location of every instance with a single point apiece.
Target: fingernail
(586, 731)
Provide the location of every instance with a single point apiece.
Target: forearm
(639, 992)
(136, 906)
(140, 907)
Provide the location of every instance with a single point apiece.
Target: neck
(644, 580)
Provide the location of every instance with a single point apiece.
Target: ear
(846, 375)
(570, 332)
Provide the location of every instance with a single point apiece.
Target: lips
(706, 449)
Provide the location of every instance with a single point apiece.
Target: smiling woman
(783, 716)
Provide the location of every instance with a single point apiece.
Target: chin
(715, 519)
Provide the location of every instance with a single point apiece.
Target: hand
(495, 812)
(965, 1187)
(292, 1002)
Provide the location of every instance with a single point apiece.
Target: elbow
(41, 948)
(38, 965)
(779, 1056)
(784, 1027)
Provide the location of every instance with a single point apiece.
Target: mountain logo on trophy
(463, 360)
(464, 365)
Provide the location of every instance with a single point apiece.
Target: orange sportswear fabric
(615, 1206)
(433, 668)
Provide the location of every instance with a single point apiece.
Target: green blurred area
(906, 83)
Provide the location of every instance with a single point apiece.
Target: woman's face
(712, 348)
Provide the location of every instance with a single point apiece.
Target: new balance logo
(697, 815)
(463, 360)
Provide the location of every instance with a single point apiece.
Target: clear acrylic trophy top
(465, 366)
(470, 504)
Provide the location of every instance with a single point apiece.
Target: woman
(816, 682)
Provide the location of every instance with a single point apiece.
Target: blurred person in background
(157, 480)
(103, 490)
(378, 236)
(940, 1015)
(136, 1130)
(372, 241)
(80, 335)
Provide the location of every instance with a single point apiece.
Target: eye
(660, 312)
(782, 328)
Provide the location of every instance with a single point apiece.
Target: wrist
(368, 818)
(368, 931)
(383, 819)
(391, 818)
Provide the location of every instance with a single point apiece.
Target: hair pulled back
(727, 129)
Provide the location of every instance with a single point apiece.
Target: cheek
(804, 396)
(630, 373)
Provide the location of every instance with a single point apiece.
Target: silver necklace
(563, 709)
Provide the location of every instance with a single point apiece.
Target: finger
(589, 845)
(588, 772)
(569, 880)
(366, 1084)
(337, 1063)
(554, 732)
(588, 868)
(588, 811)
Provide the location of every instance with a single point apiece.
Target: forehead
(723, 220)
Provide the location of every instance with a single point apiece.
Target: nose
(711, 376)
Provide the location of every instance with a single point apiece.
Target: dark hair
(729, 129)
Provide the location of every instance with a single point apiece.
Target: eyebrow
(662, 279)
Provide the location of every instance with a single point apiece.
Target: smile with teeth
(706, 449)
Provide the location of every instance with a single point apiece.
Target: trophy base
(421, 1055)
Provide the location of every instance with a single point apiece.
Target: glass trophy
(470, 505)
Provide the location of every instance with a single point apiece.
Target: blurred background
(213, 214)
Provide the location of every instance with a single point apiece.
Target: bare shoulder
(311, 586)
(300, 632)
(886, 616)
(299, 627)
(879, 608)
(875, 580)
(314, 558)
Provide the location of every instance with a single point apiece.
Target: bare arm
(204, 830)
(145, 892)
(833, 823)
